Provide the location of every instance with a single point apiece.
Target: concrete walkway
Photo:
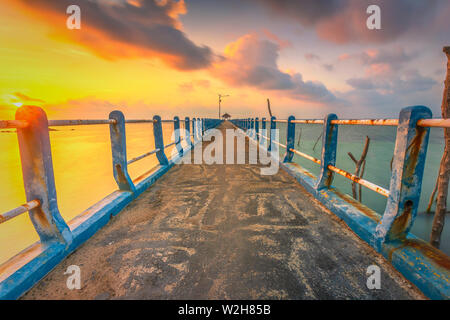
(224, 232)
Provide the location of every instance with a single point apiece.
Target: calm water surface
(83, 171)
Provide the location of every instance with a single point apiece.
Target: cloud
(128, 28)
(328, 67)
(381, 62)
(24, 98)
(311, 57)
(252, 61)
(344, 21)
(389, 93)
(190, 86)
(409, 81)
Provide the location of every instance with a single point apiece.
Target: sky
(168, 57)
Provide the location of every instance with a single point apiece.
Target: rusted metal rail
(361, 181)
(436, 123)
(304, 155)
(13, 124)
(19, 210)
(143, 156)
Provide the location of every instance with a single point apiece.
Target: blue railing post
(119, 152)
(159, 141)
(38, 176)
(263, 131)
(256, 128)
(252, 129)
(290, 139)
(176, 131)
(187, 130)
(329, 146)
(273, 126)
(406, 177)
(194, 130)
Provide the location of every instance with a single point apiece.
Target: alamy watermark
(232, 149)
(373, 22)
(74, 279)
(374, 279)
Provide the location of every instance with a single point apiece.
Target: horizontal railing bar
(10, 124)
(306, 156)
(142, 156)
(280, 144)
(167, 120)
(170, 144)
(267, 138)
(276, 142)
(308, 121)
(140, 121)
(367, 122)
(439, 123)
(60, 123)
(360, 181)
(19, 210)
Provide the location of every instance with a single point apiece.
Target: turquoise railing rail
(58, 237)
(389, 233)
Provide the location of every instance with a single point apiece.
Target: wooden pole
(430, 202)
(268, 107)
(444, 169)
(358, 164)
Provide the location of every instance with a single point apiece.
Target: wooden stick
(358, 164)
(430, 202)
(268, 107)
(318, 138)
(444, 169)
(362, 174)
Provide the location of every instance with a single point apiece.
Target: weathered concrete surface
(224, 232)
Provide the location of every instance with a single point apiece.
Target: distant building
(226, 116)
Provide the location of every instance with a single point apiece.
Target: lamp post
(220, 100)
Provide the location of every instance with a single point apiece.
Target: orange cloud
(252, 61)
(126, 28)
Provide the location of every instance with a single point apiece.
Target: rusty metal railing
(19, 210)
(34, 143)
(408, 163)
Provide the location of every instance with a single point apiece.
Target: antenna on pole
(220, 100)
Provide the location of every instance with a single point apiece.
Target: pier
(198, 231)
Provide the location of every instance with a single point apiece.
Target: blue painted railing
(389, 234)
(422, 264)
(59, 238)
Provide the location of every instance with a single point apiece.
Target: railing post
(263, 130)
(329, 146)
(290, 139)
(159, 141)
(194, 135)
(256, 129)
(406, 177)
(273, 126)
(38, 176)
(119, 152)
(187, 130)
(176, 130)
(197, 126)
